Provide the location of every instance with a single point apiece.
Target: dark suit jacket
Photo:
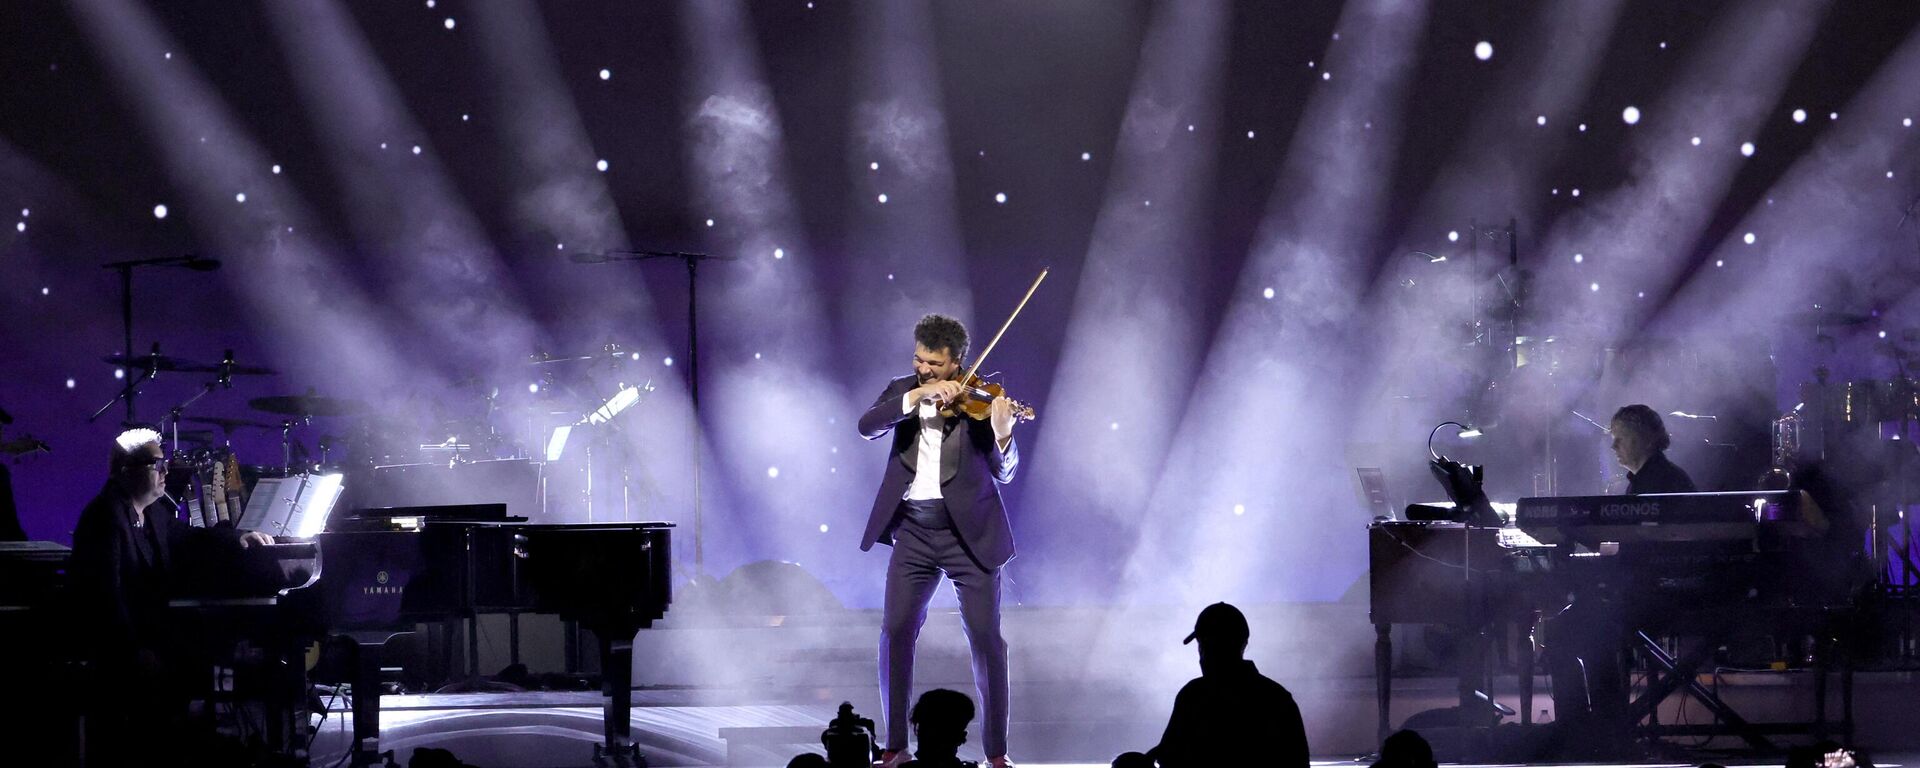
(1659, 475)
(971, 468)
(120, 600)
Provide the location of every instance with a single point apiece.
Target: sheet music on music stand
(291, 506)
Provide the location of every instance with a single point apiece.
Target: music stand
(295, 506)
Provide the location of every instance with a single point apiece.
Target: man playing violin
(939, 508)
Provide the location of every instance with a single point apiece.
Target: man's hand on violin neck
(1001, 414)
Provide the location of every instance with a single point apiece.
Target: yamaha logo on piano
(380, 586)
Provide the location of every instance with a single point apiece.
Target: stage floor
(690, 727)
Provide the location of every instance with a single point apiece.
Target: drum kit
(569, 414)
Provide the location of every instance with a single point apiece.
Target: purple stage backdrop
(1285, 240)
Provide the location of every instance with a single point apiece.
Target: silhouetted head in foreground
(1222, 632)
(940, 721)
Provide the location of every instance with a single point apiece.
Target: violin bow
(978, 361)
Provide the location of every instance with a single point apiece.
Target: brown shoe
(1000, 762)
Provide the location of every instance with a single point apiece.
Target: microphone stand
(692, 261)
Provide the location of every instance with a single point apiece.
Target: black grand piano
(388, 570)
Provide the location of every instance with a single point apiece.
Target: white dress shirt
(926, 475)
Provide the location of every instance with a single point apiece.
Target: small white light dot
(889, 275)
(465, 117)
(276, 169)
(779, 253)
(773, 471)
(1000, 197)
(1906, 123)
(449, 23)
(20, 227)
(1746, 149)
(1631, 115)
(1115, 426)
(1696, 141)
(45, 291)
(873, 166)
(882, 198)
(1309, 65)
(1576, 191)
(429, 3)
(416, 149)
(823, 526)
(559, 246)
(533, 388)
(1085, 156)
(25, 213)
(383, 145)
(168, 55)
(1241, 509)
(756, 355)
(119, 374)
(1483, 50)
(1189, 127)
(1833, 115)
(709, 222)
(70, 383)
(1149, 203)
(1268, 293)
(1719, 262)
(1326, 76)
(634, 356)
(1663, 45)
(606, 74)
(601, 165)
(1453, 236)
(1883, 334)
(1799, 115)
(1541, 120)
(1749, 238)
(1556, 191)
(159, 211)
(1593, 287)
(1579, 257)
(668, 362)
(1641, 295)
(1583, 127)
(1249, 134)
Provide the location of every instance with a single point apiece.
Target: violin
(976, 400)
(977, 394)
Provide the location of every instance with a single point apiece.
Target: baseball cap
(1219, 620)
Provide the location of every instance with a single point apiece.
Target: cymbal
(306, 405)
(1824, 318)
(228, 425)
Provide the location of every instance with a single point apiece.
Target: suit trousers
(920, 556)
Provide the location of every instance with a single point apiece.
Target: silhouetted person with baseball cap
(1231, 714)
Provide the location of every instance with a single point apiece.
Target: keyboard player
(128, 552)
(1640, 443)
(1585, 645)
